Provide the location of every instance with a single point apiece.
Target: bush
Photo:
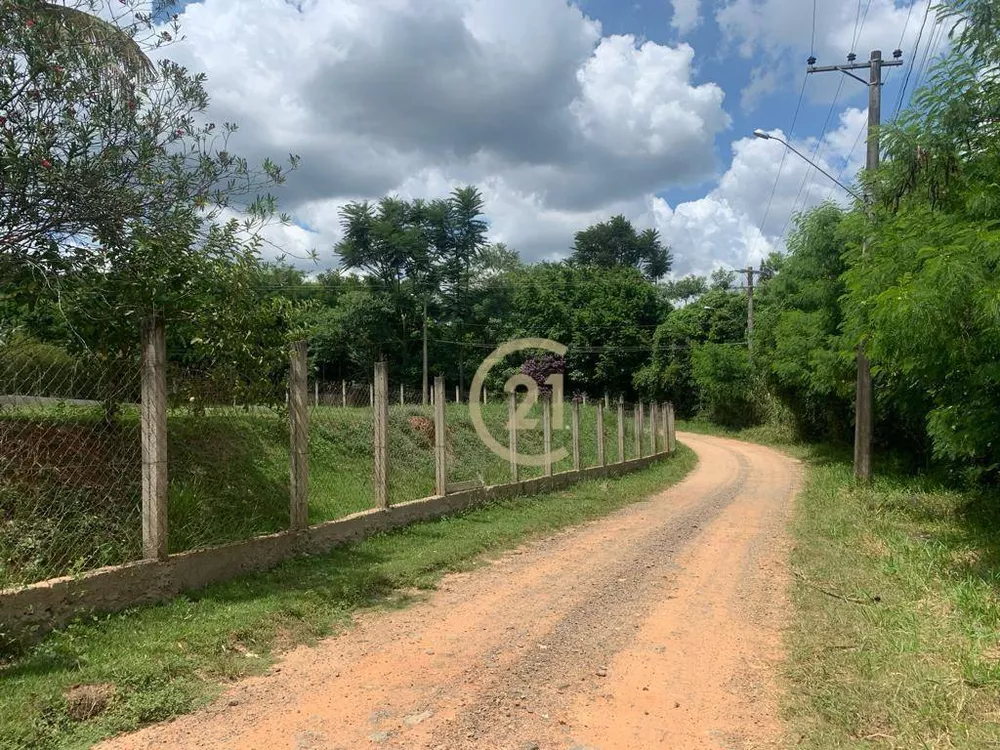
(32, 368)
(726, 383)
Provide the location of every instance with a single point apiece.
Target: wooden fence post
(664, 428)
(607, 400)
(637, 433)
(600, 435)
(652, 428)
(512, 435)
(402, 395)
(641, 427)
(298, 416)
(440, 445)
(458, 396)
(621, 430)
(380, 389)
(316, 392)
(576, 435)
(154, 439)
(671, 429)
(371, 395)
(547, 432)
(343, 393)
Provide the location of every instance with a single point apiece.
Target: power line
(812, 42)
(927, 62)
(913, 57)
(784, 155)
(857, 19)
(906, 23)
(861, 28)
(811, 173)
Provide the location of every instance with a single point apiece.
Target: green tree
(718, 316)
(685, 290)
(726, 385)
(605, 316)
(616, 243)
(798, 344)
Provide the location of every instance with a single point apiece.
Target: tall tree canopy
(616, 243)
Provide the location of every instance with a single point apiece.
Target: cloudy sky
(563, 113)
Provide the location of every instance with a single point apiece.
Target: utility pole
(750, 271)
(425, 385)
(863, 393)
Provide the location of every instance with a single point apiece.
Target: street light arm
(764, 135)
(808, 161)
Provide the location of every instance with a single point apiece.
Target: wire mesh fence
(70, 462)
(71, 456)
(228, 453)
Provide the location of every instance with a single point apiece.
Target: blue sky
(563, 114)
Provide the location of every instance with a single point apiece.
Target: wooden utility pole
(425, 385)
(750, 271)
(863, 390)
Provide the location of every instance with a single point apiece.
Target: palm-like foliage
(94, 35)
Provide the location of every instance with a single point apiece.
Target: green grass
(169, 659)
(70, 486)
(895, 639)
(916, 664)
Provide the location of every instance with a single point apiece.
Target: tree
(719, 316)
(615, 243)
(726, 386)
(685, 290)
(797, 337)
(81, 25)
(116, 186)
(605, 317)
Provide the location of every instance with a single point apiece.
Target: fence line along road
(323, 505)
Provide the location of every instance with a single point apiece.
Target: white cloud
(686, 17)
(772, 32)
(525, 98)
(734, 224)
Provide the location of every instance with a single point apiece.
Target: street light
(863, 392)
(758, 133)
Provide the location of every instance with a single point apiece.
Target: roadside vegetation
(896, 586)
(156, 662)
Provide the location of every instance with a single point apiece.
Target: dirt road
(656, 627)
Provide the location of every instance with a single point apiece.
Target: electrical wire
(929, 53)
(811, 173)
(812, 41)
(784, 156)
(861, 28)
(909, 68)
(906, 24)
(857, 20)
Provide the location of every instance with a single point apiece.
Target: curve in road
(658, 626)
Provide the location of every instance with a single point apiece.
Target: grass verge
(156, 662)
(895, 641)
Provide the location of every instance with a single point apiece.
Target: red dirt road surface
(656, 627)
